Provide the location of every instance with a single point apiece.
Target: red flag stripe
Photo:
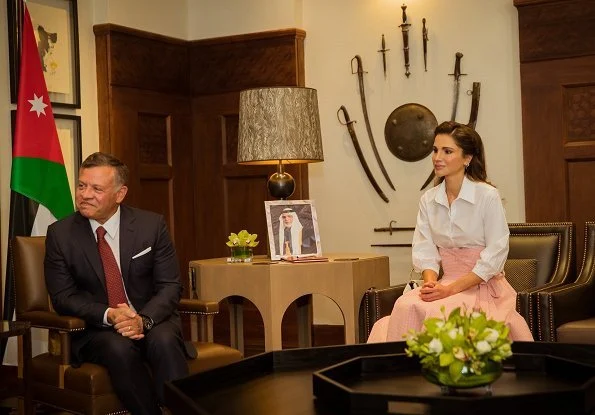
(35, 132)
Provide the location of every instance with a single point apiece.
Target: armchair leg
(205, 327)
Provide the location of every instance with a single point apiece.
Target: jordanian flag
(41, 193)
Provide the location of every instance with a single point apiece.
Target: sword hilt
(457, 72)
(383, 46)
(360, 66)
(404, 14)
(345, 115)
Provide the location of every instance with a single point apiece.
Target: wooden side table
(272, 287)
(21, 329)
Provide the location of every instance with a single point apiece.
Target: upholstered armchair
(86, 389)
(567, 313)
(541, 256)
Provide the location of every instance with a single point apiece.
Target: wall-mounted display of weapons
(359, 70)
(383, 50)
(349, 124)
(409, 129)
(405, 31)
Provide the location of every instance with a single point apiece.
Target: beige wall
(486, 31)
(208, 18)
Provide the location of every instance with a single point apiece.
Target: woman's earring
(466, 166)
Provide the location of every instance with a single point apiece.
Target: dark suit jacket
(76, 281)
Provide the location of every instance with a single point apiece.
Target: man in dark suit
(126, 291)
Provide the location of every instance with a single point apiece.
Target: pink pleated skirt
(496, 297)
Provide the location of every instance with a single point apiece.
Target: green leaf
(455, 370)
(454, 313)
(446, 359)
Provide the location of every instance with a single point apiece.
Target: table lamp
(279, 125)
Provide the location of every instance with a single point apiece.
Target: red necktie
(113, 278)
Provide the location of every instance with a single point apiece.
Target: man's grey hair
(100, 159)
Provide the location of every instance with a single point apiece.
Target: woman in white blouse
(462, 227)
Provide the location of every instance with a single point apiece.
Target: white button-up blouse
(475, 218)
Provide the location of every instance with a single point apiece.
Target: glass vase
(241, 254)
(468, 379)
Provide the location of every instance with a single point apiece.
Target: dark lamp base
(281, 185)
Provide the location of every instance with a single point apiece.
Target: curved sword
(362, 93)
(358, 150)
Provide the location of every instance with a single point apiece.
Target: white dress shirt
(476, 218)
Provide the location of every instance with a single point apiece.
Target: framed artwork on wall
(69, 134)
(55, 23)
(292, 228)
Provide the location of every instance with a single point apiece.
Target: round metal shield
(409, 132)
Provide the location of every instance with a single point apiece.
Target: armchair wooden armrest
(193, 306)
(204, 312)
(59, 328)
(52, 321)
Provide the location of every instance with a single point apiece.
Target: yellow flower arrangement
(242, 238)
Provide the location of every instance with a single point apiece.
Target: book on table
(304, 258)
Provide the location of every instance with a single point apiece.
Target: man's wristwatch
(148, 323)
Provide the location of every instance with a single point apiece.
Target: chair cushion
(521, 273)
(580, 331)
(212, 355)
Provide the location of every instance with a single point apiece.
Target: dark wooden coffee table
(21, 329)
(282, 382)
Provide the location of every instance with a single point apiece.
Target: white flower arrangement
(462, 343)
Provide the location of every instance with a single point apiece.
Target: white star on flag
(37, 105)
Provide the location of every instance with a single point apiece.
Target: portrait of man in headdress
(290, 233)
(292, 228)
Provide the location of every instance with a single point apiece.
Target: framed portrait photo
(55, 25)
(292, 228)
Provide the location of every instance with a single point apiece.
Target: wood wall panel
(579, 112)
(557, 51)
(144, 60)
(553, 30)
(153, 139)
(272, 59)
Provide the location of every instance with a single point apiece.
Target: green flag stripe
(45, 182)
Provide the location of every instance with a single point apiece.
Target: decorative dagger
(383, 50)
(425, 39)
(405, 30)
